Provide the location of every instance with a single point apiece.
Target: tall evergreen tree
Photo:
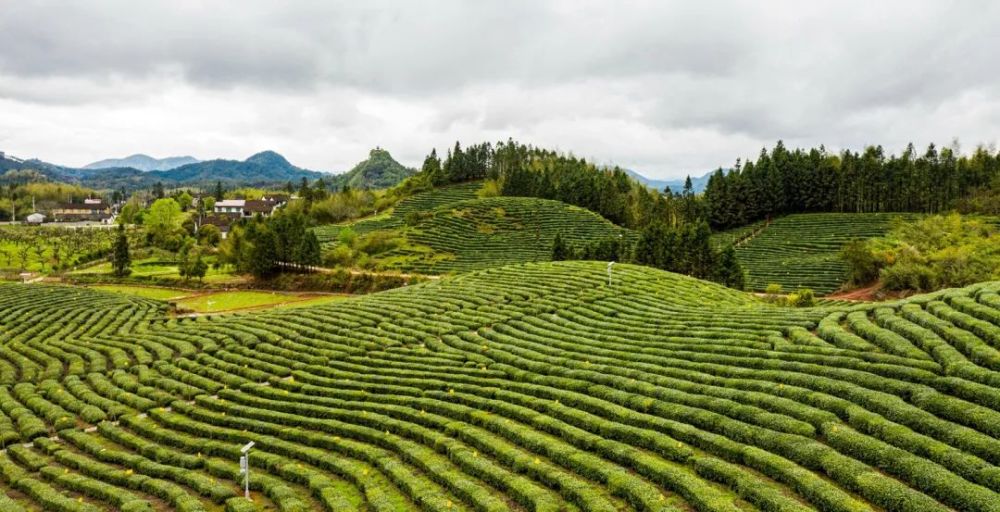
(728, 270)
(121, 261)
(308, 253)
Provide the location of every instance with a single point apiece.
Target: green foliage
(490, 188)
(162, 221)
(728, 271)
(560, 251)
(209, 235)
(120, 259)
(936, 252)
(862, 265)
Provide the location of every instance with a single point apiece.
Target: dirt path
(753, 234)
(863, 294)
(325, 270)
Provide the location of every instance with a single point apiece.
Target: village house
(246, 208)
(89, 210)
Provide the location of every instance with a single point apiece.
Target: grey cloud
(674, 87)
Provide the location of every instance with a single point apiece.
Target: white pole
(245, 468)
(610, 264)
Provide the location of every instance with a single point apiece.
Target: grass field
(149, 292)
(533, 387)
(239, 300)
(803, 250)
(199, 301)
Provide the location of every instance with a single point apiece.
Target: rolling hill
(532, 387)
(143, 163)
(449, 230)
(379, 170)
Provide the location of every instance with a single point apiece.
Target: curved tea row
(535, 387)
(803, 250)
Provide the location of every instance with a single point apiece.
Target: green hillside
(422, 202)
(448, 230)
(534, 387)
(379, 170)
(803, 250)
(482, 233)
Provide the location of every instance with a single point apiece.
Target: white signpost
(610, 264)
(245, 468)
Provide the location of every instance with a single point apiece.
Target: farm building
(246, 208)
(89, 209)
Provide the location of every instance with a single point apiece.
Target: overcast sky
(665, 88)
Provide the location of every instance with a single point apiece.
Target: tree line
(782, 182)
(522, 170)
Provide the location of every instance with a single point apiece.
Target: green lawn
(148, 292)
(227, 301)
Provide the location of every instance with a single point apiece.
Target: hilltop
(379, 170)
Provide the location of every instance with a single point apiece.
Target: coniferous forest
(778, 182)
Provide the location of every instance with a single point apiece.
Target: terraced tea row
(422, 202)
(483, 233)
(529, 387)
(802, 251)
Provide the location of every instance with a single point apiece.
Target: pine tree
(308, 253)
(219, 193)
(432, 168)
(263, 261)
(560, 251)
(728, 270)
(121, 261)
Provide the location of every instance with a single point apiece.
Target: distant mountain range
(677, 185)
(264, 169)
(143, 163)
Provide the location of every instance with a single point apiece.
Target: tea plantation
(803, 251)
(449, 230)
(532, 387)
(482, 233)
(422, 202)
